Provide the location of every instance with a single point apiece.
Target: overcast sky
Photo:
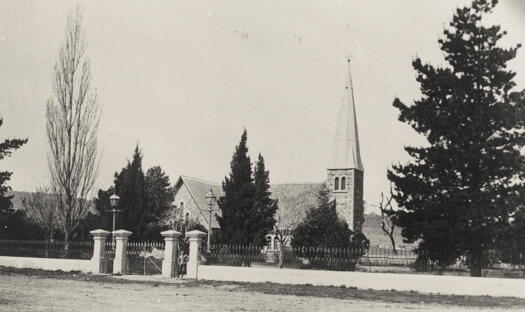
(182, 79)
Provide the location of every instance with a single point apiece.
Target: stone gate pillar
(195, 253)
(98, 261)
(169, 263)
(120, 261)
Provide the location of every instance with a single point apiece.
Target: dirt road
(37, 293)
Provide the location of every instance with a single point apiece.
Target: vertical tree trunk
(66, 244)
(49, 235)
(281, 255)
(476, 263)
(393, 241)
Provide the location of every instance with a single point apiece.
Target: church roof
(294, 199)
(345, 152)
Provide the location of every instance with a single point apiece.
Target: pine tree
(321, 226)
(237, 222)
(265, 207)
(459, 193)
(6, 148)
(160, 195)
(103, 208)
(10, 220)
(130, 186)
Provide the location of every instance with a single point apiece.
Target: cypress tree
(459, 193)
(265, 207)
(236, 221)
(130, 186)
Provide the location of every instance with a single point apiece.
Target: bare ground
(38, 290)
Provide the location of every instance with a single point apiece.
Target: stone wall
(184, 196)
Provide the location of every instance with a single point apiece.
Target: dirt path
(37, 293)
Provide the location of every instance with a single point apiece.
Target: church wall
(183, 195)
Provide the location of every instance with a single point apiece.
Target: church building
(344, 179)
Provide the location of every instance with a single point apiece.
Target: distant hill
(372, 230)
(17, 198)
(18, 195)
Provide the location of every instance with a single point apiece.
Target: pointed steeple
(345, 152)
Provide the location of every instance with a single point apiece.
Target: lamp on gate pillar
(211, 199)
(113, 201)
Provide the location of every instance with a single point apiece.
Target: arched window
(343, 183)
(336, 184)
(181, 205)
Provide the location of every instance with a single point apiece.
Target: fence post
(169, 263)
(120, 261)
(195, 252)
(98, 261)
(280, 247)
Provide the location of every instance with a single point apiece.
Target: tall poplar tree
(458, 194)
(72, 115)
(265, 207)
(236, 221)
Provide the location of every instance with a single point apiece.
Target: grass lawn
(39, 290)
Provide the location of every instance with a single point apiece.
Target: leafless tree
(72, 123)
(41, 207)
(175, 220)
(285, 222)
(387, 225)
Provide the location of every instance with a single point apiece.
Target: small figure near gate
(182, 263)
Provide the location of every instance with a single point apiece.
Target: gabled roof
(345, 152)
(198, 189)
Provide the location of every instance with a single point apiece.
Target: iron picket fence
(46, 249)
(375, 259)
(146, 258)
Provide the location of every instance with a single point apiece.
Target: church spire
(345, 152)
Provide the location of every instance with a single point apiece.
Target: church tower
(345, 170)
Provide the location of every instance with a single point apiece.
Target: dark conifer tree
(236, 221)
(265, 207)
(160, 195)
(10, 220)
(6, 148)
(103, 208)
(322, 227)
(459, 193)
(130, 186)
